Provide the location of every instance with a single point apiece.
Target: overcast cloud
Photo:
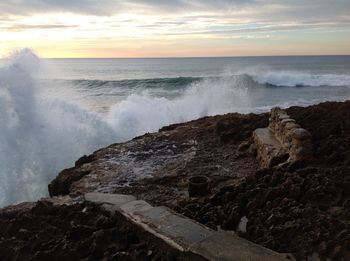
(298, 11)
(151, 20)
(298, 8)
(105, 7)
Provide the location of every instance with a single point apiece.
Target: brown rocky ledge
(301, 207)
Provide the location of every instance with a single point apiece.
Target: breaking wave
(274, 78)
(295, 79)
(178, 82)
(143, 112)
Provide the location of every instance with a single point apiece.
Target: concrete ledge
(270, 151)
(113, 199)
(135, 206)
(227, 246)
(182, 231)
(183, 234)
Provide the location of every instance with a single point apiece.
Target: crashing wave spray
(142, 112)
(39, 137)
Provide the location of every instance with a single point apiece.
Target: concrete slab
(153, 215)
(178, 229)
(135, 206)
(181, 233)
(224, 246)
(113, 199)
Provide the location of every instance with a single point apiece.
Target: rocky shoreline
(301, 208)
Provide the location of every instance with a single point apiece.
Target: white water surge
(40, 135)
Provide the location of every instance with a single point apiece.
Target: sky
(175, 28)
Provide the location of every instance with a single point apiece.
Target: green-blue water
(262, 80)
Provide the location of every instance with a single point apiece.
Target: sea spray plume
(39, 137)
(17, 119)
(143, 112)
(25, 60)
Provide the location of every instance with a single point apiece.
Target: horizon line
(191, 57)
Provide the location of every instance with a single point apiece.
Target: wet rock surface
(219, 147)
(300, 207)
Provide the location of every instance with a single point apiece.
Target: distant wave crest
(272, 79)
(177, 82)
(296, 79)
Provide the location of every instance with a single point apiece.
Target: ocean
(265, 81)
(52, 111)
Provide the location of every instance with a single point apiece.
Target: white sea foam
(291, 79)
(142, 112)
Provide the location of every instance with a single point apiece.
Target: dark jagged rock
(80, 231)
(61, 185)
(301, 207)
(84, 159)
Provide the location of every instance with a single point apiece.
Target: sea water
(52, 111)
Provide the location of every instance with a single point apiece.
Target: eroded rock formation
(282, 141)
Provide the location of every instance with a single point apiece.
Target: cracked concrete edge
(237, 248)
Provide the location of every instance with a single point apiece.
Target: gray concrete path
(184, 234)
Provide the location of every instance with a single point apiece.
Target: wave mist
(39, 136)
